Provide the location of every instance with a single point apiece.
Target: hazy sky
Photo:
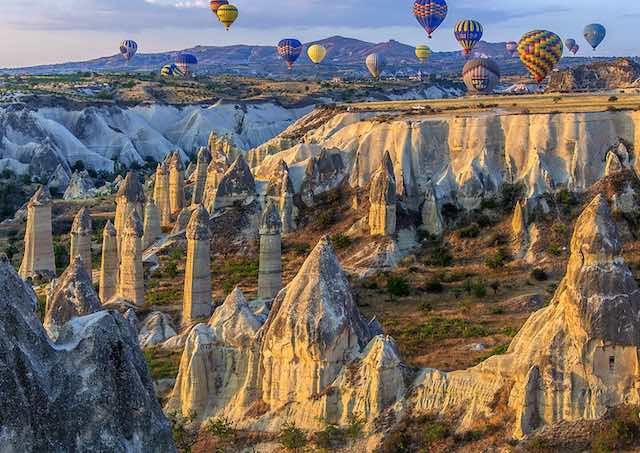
(53, 31)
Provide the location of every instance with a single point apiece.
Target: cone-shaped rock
(323, 173)
(161, 194)
(176, 184)
(81, 231)
(234, 322)
(200, 183)
(130, 198)
(519, 230)
(382, 195)
(236, 186)
(197, 280)
(131, 275)
(70, 296)
(38, 259)
(270, 271)
(280, 190)
(432, 221)
(152, 228)
(109, 264)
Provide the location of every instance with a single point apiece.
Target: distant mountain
(344, 53)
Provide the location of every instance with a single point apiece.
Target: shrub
(291, 437)
(554, 249)
(499, 259)
(331, 438)
(397, 286)
(441, 257)
(620, 432)
(434, 286)
(340, 241)
(510, 194)
(539, 275)
(171, 269)
(479, 288)
(301, 248)
(222, 429)
(469, 232)
(435, 431)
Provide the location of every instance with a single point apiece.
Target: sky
(34, 32)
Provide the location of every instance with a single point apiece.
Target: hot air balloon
(594, 34)
(575, 49)
(430, 14)
(570, 43)
(215, 4)
(540, 51)
(423, 53)
(289, 50)
(468, 33)
(317, 53)
(512, 48)
(185, 62)
(481, 75)
(171, 70)
(128, 49)
(376, 63)
(227, 14)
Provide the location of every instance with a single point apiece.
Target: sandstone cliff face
(605, 75)
(90, 391)
(323, 173)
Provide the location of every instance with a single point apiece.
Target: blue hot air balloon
(594, 34)
(185, 62)
(430, 14)
(468, 33)
(289, 50)
(128, 49)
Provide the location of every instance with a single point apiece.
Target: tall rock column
(130, 199)
(202, 168)
(197, 280)
(161, 194)
(81, 231)
(38, 259)
(152, 229)
(270, 272)
(109, 264)
(382, 195)
(131, 285)
(176, 184)
(280, 190)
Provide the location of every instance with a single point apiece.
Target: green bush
(554, 249)
(340, 241)
(444, 328)
(441, 257)
(171, 269)
(472, 231)
(222, 429)
(434, 286)
(499, 259)
(397, 286)
(435, 431)
(331, 438)
(291, 437)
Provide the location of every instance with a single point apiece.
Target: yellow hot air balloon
(317, 53)
(227, 14)
(423, 53)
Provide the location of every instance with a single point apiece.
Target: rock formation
(432, 221)
(236, 186)
(38, 259)
(81, 232)
(109, 264)
(176, 184)
(601, 75)
(80, 187)
(200, 178)
(382, 196)
(152, 228)
(519, 230)
(130, 198)
(70, 296)
(131, 274)
(161, 194)
(59, 180)
(156, 329)
(323, 173)
(270, 271)
(91, 391)
(280, 190)
(197, 301)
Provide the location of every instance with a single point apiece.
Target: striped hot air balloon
(289, 50)
(171, 70)
(317, 53)
(128, 49)
(512, 48)
(481, 75)
(540, 51)
(376, 63)
(227, 14)
(423, 53)
(185, 63)
(430, 14)
(468, 33)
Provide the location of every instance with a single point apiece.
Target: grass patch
(162, 364)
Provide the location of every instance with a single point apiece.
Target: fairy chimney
(161, 194)
(236, 186)
(38, 259)
(382, 195)
(109, 263)
(270, 272)
(197, 280)
(202, 167)
(216, 169)
(280, 190)
(152, 229)
(130, 198)
(81, 231)
(176, 184)
(131, 284)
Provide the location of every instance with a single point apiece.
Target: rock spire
(81, 232)
(38, 259)
(161, 194)
(270, 271)
(109, 264)
(130, 198)
(152, 228)
(131, 275)
(197, 280)
(176, 184)
(201, 171)
(382, 195)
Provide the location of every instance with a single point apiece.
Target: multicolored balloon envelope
(481, 75)
(430, 14)
(468, 33)
(375, 64)
(423, 53)
(215, 4)
(512, 48)
(227, 14)
(317, 53)
(171, 70)
(595, 34)
(185, 63)
(289, 50)
(128, 49)
(540, 51)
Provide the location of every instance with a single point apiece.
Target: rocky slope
(35, 140)
(622, 73)
(88, 391)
